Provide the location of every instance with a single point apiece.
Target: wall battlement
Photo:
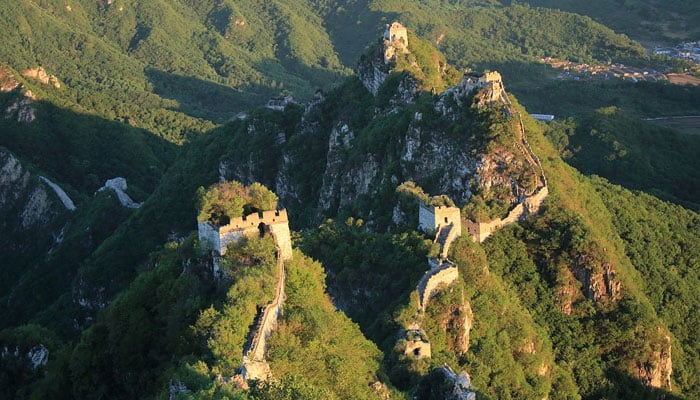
(491, 85)
(274, 222)
(255, 219)
(479, 231)
(493, 76)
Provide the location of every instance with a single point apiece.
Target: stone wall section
(443, 274)
(254, 364)
(217, 238)
(479, 231)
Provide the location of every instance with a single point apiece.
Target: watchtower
(396, 35)
(275, 222)
(395, 39)
(432, 218)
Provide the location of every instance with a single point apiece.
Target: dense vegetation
(174, 67)
(652, 22)
(226, 200)
(632, 153)
(126, 305)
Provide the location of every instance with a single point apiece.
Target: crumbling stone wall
(254, 364)
(217, 238)
(445, 273)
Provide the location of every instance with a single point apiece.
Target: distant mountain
(171, 67)
(649, 21)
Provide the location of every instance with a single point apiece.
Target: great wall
(254, 364)
(395, 40)
(217, 238)
(492, 84)
(446, 222)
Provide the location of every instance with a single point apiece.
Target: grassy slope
(170, 66)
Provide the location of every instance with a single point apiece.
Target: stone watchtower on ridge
(395, 38)
(431, 218)
(491, 84)
(276, 223)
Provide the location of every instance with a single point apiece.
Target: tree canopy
(226, 200)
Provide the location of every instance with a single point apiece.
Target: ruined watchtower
(395, 38)
(491, 83)
(432, 218)
(258, 223)
(396, 34)
(417, 345)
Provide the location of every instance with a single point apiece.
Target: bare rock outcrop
(39, 74)
(22, 109)
(461, 385)
(372, 72)
(458, 326)
(37, 356)
(656, 369)
(567, 291)
(23, 195)
(8, 82)
(599, 281)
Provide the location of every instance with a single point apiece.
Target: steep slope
(375, 153)
(633, 153)
(404, 133)
(643, 20)
(46, 237)
(32, 218)
(173, 67)
(169, 66)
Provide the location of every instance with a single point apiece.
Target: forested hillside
(654, 22)
(591, 294)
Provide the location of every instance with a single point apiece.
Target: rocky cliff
(359, 142)
(656, 369)
(27, 203)
(599, 280)
(39, 74)
(32, 221)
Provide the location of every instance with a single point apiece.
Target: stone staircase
(254, 364)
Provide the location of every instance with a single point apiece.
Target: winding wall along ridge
(268, 319)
